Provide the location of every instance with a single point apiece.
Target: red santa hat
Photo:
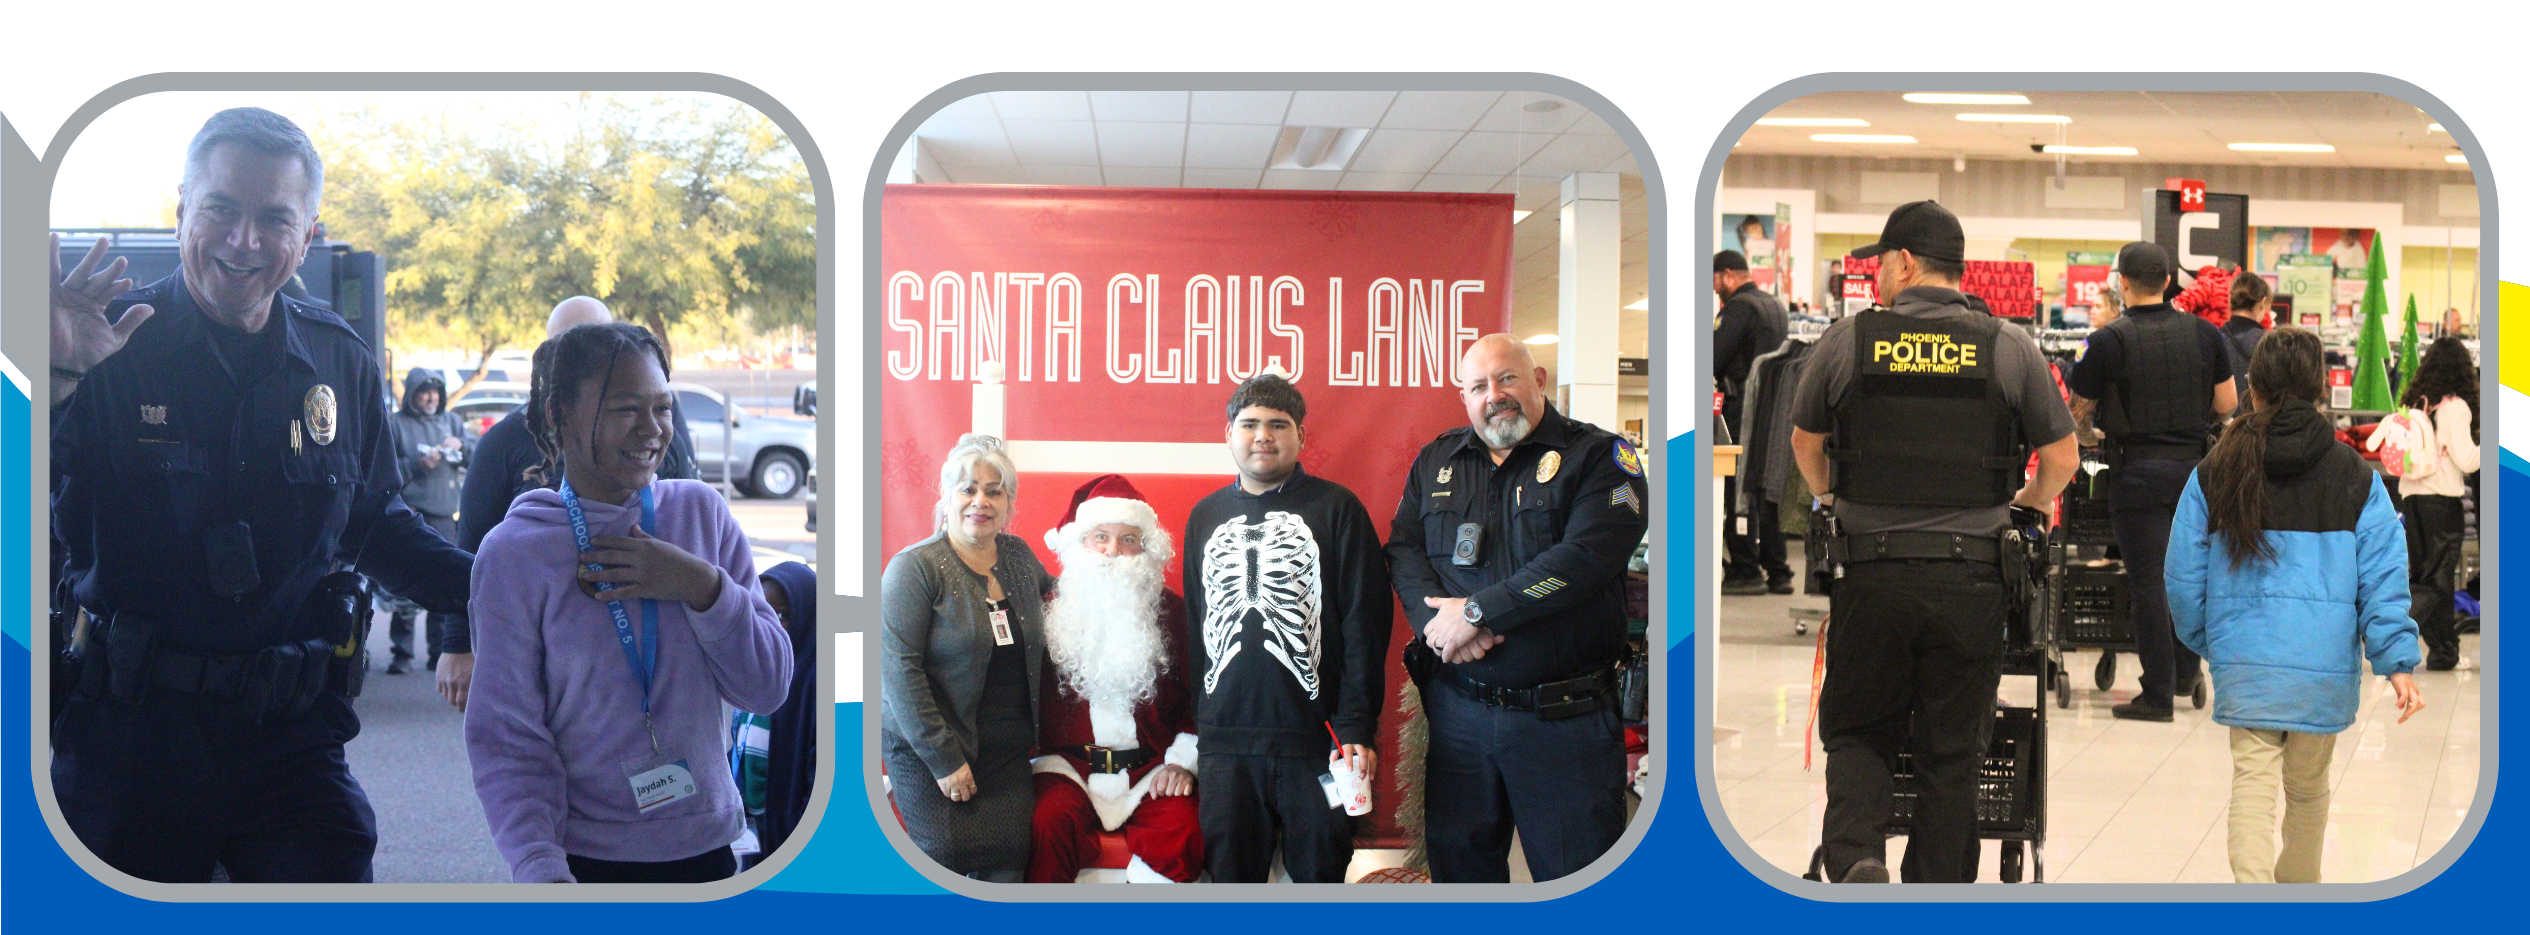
(1108, 499)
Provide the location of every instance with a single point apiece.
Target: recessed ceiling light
(2435, 128)
(1812, 122)
(1860, 138)
(1547, 338)
(2016, 118)
(2282, 148)
(1517, 216)
(1921, 97)
(1542, 106)
(2459, 158)
(1320, 148)
(1643, 304)
(2088, 150)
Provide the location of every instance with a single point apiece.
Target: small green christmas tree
(2407, 350)
(2371, 352)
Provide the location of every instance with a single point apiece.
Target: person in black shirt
(1751, 324)
(2250, 296)
(2160, 380)
(1509, 549)
(1287, 622)
(221, 468)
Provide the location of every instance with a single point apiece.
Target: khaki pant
(2261, 761)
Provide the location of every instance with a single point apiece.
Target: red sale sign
(2082, 285)
(1122, 319)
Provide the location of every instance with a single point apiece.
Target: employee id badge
(1001, 629)
(658, 784)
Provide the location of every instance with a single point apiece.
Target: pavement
(411, 754)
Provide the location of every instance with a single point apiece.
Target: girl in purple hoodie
(612, 619)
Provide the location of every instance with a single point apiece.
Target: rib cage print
(1270, 568)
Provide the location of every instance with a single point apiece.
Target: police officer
(220, 456)
(2159, 379)
(1751, 324)
(1917, 419)
(1509, 551)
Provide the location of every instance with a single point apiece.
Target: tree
(2371, 351)
(687, 216)
(2407, 349)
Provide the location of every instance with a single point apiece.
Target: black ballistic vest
(1924, 422)
(2162, 387)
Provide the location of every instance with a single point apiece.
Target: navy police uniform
(1527, 736)
(208, 487)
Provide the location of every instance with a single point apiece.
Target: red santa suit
(1075, 800)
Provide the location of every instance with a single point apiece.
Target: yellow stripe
(2514, 368)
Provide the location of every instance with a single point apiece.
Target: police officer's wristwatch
(1473, 613)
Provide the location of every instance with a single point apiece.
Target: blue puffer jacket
(2286, 635)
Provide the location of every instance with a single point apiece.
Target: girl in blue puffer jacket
(2287, 563)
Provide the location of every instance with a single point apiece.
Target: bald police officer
(220, 461)
(1509, 550)
(2160, 380)
(1917, 419)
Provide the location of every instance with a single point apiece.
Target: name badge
(660, 786)
(1001, 629)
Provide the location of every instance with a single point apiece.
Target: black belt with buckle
(1888, 546)
(1110, 760)
(1551, 700)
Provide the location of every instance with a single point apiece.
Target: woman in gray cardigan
(963, 637)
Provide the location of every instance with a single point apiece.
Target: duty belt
(1886, 546)
(283, 679)
(1547, 696)
(1110, 760)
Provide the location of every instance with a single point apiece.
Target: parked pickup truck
(761, 456)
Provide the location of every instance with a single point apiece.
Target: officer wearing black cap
(1918, 420)
(1751, 324)
(221, 461)
(1509, 551)
(2160, 381)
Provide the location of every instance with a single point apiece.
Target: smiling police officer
(1509, 550)
(1926, 411)
(220, 457)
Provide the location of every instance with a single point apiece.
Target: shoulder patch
(1627, 460)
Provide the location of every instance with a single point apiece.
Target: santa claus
(1117, 730)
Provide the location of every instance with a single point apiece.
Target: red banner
(2082, 285)
(1122, 319)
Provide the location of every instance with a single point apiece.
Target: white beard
(1103, 629)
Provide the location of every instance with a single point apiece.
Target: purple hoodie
(554, 724)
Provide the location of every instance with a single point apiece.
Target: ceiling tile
(1625, 166)
(1591, 124)
(1138, 177)
(1338, 108)
(1230, 146)
(1241, 106)
(1053, 142)
(987, 175)
(1303, 179)
(1141, 144)
(1570, 153)
(1223, 178)
(1439, 110)
(1403, 150)
(1379, 181)
(1042, 105)
(1456, 183)
(1064, 175)
(971, 107)
(1148, 106)
(1509, 114)
(968, 142)
(1491, 153)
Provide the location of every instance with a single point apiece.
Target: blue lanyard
(644, 661)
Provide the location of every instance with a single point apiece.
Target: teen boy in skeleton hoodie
(1288, 616)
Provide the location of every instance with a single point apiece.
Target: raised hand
(81, 335)
(642, 568)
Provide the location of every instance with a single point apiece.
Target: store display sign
(2341, 388)
(2311, 287)
(1858, 292)
(2082, 285)
(2090, 258)
(2191, 193)
(2216, 234)
(1754, 236)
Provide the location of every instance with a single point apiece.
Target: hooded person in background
(429, 442)
(1118, 730)
(790, 753)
